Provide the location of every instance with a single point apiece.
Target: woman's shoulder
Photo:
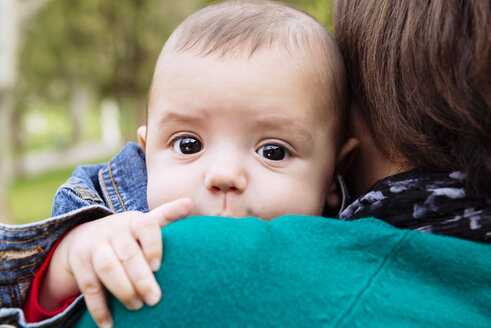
(311, 271)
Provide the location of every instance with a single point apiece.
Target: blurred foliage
(322, 10)
(110, 44)
(47, 125)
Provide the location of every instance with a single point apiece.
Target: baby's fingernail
(155, 264)
(107, 324)
(135, 304)
(152, 298)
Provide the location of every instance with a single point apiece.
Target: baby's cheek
(301, 200)
(157, 193)
(167, 190)
(311, 199)
(160, 187)
(153, 200)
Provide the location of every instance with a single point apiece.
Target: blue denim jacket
(92, 192)
(119, 185)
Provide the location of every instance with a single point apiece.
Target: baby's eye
(187, 145)
(273, 152)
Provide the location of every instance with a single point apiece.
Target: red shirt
(33, 311)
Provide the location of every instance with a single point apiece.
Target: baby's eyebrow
(173, 117)
(298, 131)
(294, 129)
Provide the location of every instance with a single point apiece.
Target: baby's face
(240, 137)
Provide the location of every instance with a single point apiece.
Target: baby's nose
(226, 175)
(225, 181)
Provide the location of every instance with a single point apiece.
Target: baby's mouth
(223, 205)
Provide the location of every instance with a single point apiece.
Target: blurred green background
(73, 81)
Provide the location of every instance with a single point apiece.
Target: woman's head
(421, 77)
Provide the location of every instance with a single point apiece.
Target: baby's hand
(120, 252)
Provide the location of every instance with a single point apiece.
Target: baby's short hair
(242, 27)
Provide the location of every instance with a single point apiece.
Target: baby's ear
(142, 136)
(343, 162)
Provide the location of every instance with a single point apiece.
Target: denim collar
(123, 180)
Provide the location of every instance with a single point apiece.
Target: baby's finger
(137, 268)
(93, 292)
(172, 211)
(111, 273)
(147, 232)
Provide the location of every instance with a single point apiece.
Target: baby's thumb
(172, 211)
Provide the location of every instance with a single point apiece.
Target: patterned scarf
(438, 203)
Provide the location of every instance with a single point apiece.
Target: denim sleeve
(23, 248)
(14, 317)
(80, 190)
(80, 199)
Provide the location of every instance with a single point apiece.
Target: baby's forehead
(302, 59)
(267, 84)
(180, 70)
(299, 71)
(320, 66)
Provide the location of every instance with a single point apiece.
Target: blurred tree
(104, 48)
(15, 15)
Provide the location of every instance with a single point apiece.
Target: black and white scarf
(439, 203)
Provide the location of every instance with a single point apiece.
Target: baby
(245, 118)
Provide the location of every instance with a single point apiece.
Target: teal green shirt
(298, 271)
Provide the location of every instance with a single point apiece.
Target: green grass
(30, 199)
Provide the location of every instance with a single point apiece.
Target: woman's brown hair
(420, 73)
